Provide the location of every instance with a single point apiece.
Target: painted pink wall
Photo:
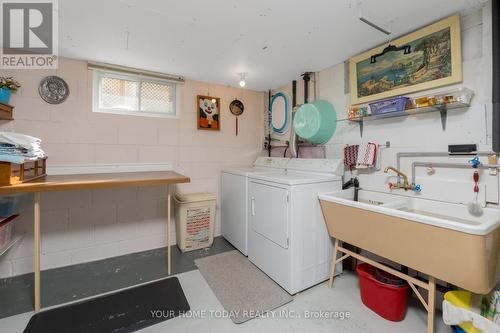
(89, 225)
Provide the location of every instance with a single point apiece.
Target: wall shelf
(427, 109)
(443, 102)
(441, 108)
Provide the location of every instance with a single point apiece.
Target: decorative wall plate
(236, 107)
(53, 90)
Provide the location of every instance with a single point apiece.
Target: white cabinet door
(234, 210)
(269, 212)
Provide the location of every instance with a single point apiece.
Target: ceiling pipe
(373, 25)
(495, 18)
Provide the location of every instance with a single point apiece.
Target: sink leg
(334, 262)
(431, 306)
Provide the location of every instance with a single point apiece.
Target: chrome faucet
(405, 185)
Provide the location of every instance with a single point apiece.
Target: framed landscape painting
(425, 59)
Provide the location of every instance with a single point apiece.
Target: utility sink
(436, 238)
(437, 213)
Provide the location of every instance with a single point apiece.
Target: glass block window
(131, 94)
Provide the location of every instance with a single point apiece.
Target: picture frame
(427, 58)
(208, 112)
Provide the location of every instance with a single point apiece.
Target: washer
(234, 198)
(287, 235)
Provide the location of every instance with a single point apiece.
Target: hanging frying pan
(236, 107)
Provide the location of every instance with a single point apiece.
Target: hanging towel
(367, 156)
(350, 156)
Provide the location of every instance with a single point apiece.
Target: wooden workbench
(87, 182)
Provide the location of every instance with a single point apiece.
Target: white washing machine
(234, 199)
(287, 235)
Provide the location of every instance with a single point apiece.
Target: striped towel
(367, 156)
(350, 156)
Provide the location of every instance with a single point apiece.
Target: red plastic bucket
(387, 300)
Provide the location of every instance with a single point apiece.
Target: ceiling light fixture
(242, 80)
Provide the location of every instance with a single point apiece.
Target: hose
(283, 128)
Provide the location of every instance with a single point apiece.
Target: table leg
(431, 305)
(169, 250)
(334, 261)
(36, 237)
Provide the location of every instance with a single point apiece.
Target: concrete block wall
(82, 226)
(423, 132)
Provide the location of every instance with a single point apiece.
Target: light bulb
(243, 76)
(213, 100)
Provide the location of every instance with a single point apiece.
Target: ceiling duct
(373, 25)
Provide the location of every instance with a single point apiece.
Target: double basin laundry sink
(436, 238)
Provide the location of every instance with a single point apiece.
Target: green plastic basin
(316, 122)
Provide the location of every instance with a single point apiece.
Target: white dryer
(288, 239)
(234, 199)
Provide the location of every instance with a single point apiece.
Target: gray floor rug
(243, 289)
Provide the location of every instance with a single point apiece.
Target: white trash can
(194, 220)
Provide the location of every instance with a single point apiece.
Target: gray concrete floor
(206, 313)
(75, 282)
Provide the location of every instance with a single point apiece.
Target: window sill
(138, 113)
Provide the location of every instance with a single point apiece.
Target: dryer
(287, 235)
(234, 198)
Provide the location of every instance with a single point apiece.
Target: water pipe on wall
(306, 77)
(495, 19)
(399, 155)
(269, 148)
(293, 137)
(416, 164)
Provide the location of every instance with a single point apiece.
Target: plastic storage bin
(389, 107)
(13, 204)
(6, 231)
(389, 301)
(194, 220)
(464, 309)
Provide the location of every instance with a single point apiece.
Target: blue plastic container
(13, 204)
(5, 95)
(457, 329)
(388, 107)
